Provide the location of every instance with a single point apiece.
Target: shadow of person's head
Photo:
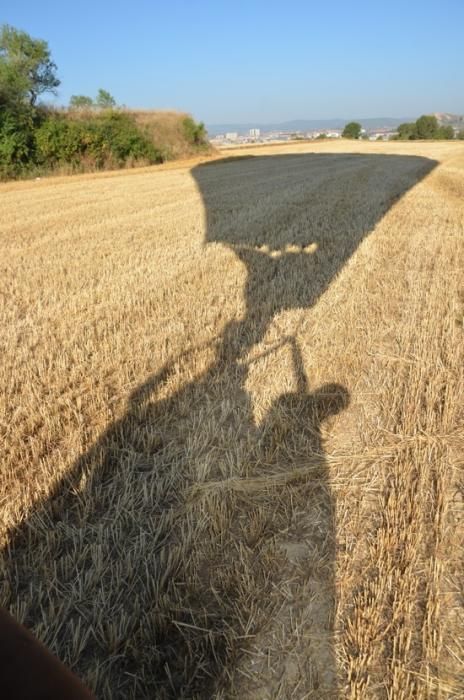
(329, 400)
(291, 429)
(313, 407)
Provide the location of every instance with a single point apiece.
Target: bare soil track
(232, 422)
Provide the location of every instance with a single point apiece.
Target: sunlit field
(232, 423)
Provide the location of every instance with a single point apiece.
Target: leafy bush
(17, 143)
(106, 140)
(407, 131)
(60, 140)
(194, 132)
(445, 132)
(116, 137)
(426, 127)
(352, 130)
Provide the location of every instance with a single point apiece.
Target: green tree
(26, 72)
(17, 140)
(445, 133)
(194, 132)
(26, 68)
(80, 102)
(460, 135)
(352, 130)
(105, 100)
(407, 131)
(427, 127)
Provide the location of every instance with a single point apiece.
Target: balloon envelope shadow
(293, 221)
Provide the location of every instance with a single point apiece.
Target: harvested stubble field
(232, 423)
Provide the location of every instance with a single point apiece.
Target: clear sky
(259, 60)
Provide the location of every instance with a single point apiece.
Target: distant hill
(447, 119)
(306, 125)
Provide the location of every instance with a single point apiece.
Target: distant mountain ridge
(306, 125)
(447, 119)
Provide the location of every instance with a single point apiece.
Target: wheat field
(232, 423)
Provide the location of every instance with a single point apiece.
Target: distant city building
(382, 134)
(254, 135)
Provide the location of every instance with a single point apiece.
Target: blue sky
(256, 61)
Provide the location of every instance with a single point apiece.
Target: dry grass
(167, 131)
(232, 422)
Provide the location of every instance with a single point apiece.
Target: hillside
(168, 132)
(174, 134)
(171, 132)
(446, 119)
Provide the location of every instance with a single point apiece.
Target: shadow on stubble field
(200, 533)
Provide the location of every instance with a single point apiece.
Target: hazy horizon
(256, 62)
(318, 119)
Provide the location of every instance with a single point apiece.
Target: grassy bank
(42, 141)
